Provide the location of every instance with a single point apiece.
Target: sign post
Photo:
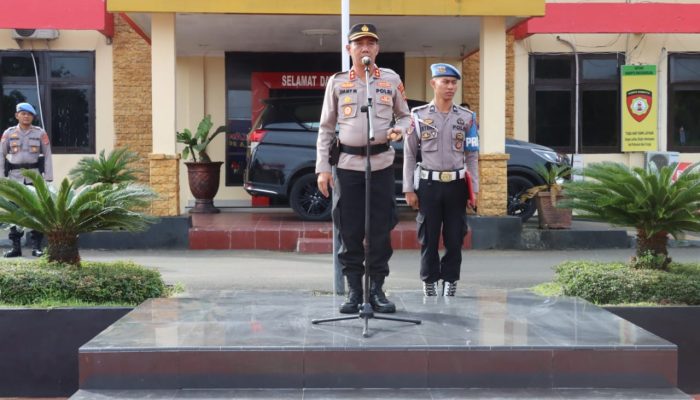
(639, 108)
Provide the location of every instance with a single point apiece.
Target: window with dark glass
(66, 87)
(553, 102)
(683, 129)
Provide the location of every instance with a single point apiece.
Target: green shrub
(32, 282)
(617, 283)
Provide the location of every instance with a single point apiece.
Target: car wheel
(517, 185)
(307, 201)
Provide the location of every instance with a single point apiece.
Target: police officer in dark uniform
(346, 92)
(20, 148)
(446, 137)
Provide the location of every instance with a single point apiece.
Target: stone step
(381, 394)
(309, 245)
(478, 339)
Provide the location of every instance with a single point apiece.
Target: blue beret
(26, 107)
(442, 69)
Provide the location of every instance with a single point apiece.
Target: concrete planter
(39, 348)
(678, 325)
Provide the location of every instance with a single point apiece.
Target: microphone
(366, 61)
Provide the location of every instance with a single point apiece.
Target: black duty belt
(362, 150)
(23, 166)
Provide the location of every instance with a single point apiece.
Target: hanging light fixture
(320, 33)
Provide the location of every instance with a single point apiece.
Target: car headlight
(547, 155)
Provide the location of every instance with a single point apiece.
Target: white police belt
(442, 176)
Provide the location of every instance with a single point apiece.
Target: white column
(163, 82)
(492, 79)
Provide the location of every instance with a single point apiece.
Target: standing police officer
(20, 148)
(346, 92)
(446, 137)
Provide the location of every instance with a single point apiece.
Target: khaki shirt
(447, 143)
(25, 147)
(345, 94)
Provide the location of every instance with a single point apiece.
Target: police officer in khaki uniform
(446, 137)
(20, 148)
(346, 92)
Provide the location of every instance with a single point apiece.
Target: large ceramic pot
(550, 216)
(203, 178)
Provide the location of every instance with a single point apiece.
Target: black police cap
(361, 30)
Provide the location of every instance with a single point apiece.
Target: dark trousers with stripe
(349, 215)
(442, 210)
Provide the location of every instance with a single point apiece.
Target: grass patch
(43, 284)
(619, 283)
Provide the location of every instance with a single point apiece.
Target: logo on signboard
(639, 103)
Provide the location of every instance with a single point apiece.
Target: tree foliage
(115, 168)
(64, 213)
(646, 199)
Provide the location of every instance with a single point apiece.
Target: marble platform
(479, 339)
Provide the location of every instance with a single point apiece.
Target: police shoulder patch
(45, 138)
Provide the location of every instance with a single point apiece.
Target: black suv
(282, 159)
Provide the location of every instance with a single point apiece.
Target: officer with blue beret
(446, 137)
(20, 148)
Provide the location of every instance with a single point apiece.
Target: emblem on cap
(365, 28)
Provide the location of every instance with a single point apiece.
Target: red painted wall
(613, 18)
(56, 14)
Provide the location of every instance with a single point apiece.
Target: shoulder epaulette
(389, 70)
(418, 108)
(465, 109)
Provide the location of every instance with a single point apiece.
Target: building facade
(132, 72)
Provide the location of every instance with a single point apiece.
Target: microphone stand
(366, 312)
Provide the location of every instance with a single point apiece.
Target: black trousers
(442, 209)
(349, 215)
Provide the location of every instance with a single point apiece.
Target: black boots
(377, 298)
(15, 237)
(355, 293)
(36, 238)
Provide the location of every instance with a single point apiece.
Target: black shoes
(355, 293)
(378, 299)
(352, 302)
(14, 252)
(15, 237)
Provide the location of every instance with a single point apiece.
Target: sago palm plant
(64, 213)
(647, 200)
(115, 168)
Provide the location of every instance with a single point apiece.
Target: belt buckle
(445, 176)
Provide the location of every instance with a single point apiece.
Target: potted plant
(203, 173)
(548, 195)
